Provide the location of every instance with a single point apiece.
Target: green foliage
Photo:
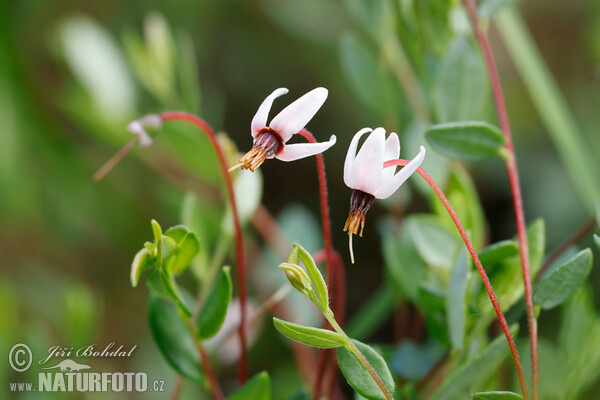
(214, 309)
(173, 338)
(358, 377)
(456, 302)
(316, 337)
(373, 313)
(498, 252)
(315, 275)
(496, 396)
(257, 388)
(471, 140)
(462, 88)
(559, 285)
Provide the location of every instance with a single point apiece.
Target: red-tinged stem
(326, 222)
(484, 277)
(513, 177)
(210, 374)
(239, 244)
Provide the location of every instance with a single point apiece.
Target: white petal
(260, 118)
(397, 180)
(295, 116)
(297, 151)
(392, 152)
(136, 128)
(367, 169)
(351, 154)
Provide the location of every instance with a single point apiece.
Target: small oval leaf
(174, 339)
(316, 337)
(470, 140)
(315, 275)
(214, 308)
(559, 285)
(496, 396)
(498, 251)
(188, 247)
(141, 262)
(358, 377)
(257, 388)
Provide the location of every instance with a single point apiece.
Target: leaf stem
(480, 269)
(239, 245)
(352, 347)
(513, 176)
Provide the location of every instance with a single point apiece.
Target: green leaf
(434, 242)
(141, 262)
(363, 73)
(214, 308)
(536, 240)
(316, 337)
(257, 388)
(413, 361)
(559, 285)
(405, 268)
(496, 396)
(475, 369)
(456, 305)
(597, 241)
(358, 377)
(498, 252)
(315, 275)
(156, 230)
(188, 246)
(467, 140)
(167, 248)
(461, 83)
(174, 340)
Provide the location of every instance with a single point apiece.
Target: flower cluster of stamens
(266, 145)
(360, 202)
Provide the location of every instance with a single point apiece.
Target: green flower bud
(297, 277)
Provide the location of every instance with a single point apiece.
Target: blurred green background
(73, 74)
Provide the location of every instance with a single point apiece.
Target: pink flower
(364, 172)
(270, 141)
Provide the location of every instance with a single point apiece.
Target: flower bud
(297, 277)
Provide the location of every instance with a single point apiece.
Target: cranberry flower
(364, 172)
(270, 141)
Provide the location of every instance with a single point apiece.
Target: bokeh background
(73, 74)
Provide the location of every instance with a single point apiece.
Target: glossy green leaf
(559, 285)
(167, 248)
(316, 337)
(315, 275)
(456, 304)
(257, 388)
(187, 247)
(498, 252)
(173, 338)
(469, 140)
(214, 308)
(496, 396)
(358, 377)
(156, 230)
(141, 262)
(461, 83)
(475, 369)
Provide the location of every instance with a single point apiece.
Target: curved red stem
(239, 244)
(513, 177)
(480, 269)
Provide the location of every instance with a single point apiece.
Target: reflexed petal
(351, 155)
(392, 152)
(391, 185)
(297, 151)
(367, 169)
(260, 118)
(295, 116)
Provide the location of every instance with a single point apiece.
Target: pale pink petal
(367, 172)
(260, 118)
(297, 151)
(295, 116)
(391, 185)
(351, 154)
(137, 129)
(392, 152)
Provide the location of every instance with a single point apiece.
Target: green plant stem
(480, 269)
(513, 177)
(352, 347)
